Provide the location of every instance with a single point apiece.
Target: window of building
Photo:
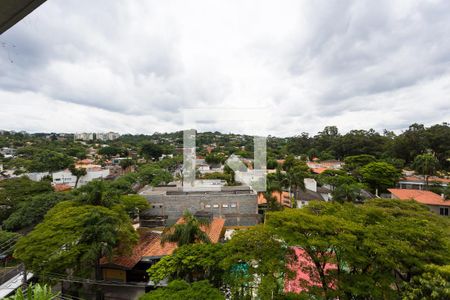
(215, 205)
(444, 211)
(225, 205)
(208, 206)
(233, 205)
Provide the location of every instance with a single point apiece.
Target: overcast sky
(287, 66)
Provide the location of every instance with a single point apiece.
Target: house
(61, 187)
(302, 197)
(320, 167)
(37, 176)
(311, 192)
(435, 203)
(148, 251)
(8, 152)
(419, 182)
(66, 177)
(283, 198)
(204, 168)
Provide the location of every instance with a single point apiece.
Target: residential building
(37, 176)
(319, 167)
(107, 136)
(147, 252)
(66, 177)
(435, 203)
(84, 136)
(236, 204)
(8, 152)
(419, 182)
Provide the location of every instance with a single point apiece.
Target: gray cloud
(134, 66)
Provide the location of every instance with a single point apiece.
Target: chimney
(443, 196)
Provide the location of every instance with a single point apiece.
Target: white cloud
(134, 66)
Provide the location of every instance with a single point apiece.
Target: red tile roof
(85, 161)
(62, 187)
(150, 245)
(214, 230)
(318, 170)
(424, 197)
(128, 262)
(262, 199)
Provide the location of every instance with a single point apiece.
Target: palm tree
(35, 292)
(188, 232)
(426, 164)
(296, 177)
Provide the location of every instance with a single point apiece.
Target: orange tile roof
(318, 170)
(424, 197)
(85, 161)
(128, 262)
(262, 199)
(214, 230)
(62, 187)
(150, 245)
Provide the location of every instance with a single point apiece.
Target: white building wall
(64, 177)
(37, 176)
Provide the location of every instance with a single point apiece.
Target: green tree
(151, 150)
(191, 262)
(354, 163)
(134, 204)
(348, 192)
(434, 283)
(35, 292)
(262, 254)
(17, 190)
(380, 175)
(372, 251)
(110, 151)
(276, 182)
(7, 242)
(296, 176)
(188, 232)
(32, 211)
(78, 173)
(74, 237)
(426, 164)
(181, 290)
(152, 174)
(126, 163)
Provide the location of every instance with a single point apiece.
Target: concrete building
(84, 136)
(419, 182)
(66, 177)
(37, 176)
(236, 204)
(107, 136)
(8, 152)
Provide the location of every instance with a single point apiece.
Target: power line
(75, 279)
